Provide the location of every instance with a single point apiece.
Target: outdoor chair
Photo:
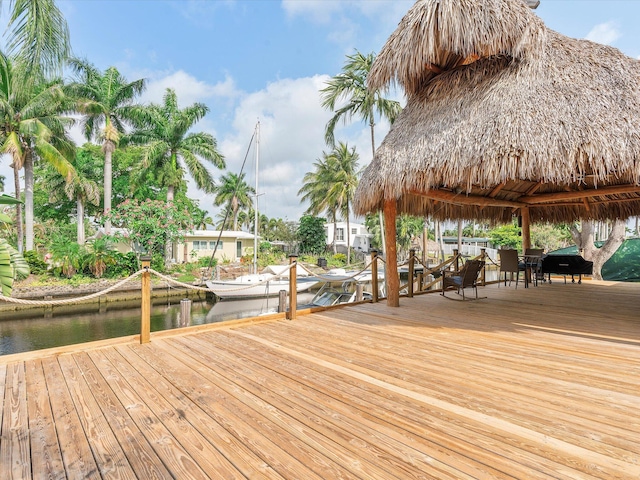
(509, 263)
(533, 263)
(466, 277)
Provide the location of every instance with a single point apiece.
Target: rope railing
(46, 303)
(147, 271)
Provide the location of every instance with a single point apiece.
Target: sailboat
(272, 279)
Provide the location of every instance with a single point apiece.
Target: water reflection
(48, 328)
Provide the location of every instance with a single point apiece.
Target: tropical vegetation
(106, 101)
(347, 96)
(132, 179)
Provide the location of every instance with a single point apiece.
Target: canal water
(24, 331)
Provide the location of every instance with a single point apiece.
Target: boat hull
(245, 289)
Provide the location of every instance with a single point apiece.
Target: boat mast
(255, 207)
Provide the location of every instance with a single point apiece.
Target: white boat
(271, 280)
(265, 284)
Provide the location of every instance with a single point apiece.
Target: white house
(358, 236)
(197, 244)
(200, 243)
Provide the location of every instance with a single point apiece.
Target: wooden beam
(464, 199)
(391, 266)
(497, 189)
(572, 195)
(533, 189)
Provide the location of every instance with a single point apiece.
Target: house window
(203, 245)
(340, 234)
(354, 231)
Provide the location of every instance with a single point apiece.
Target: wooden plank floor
(534, 383)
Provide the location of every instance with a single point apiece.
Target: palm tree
(38, 34)
(105, 100)
(314, 190)
(351, 86)
(331, 187)
(169, 148)
(81, 188)
(235, 193)
(32, 128)
(344, 183)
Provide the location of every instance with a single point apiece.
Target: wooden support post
(455, 254)
(483, 273)
(420, 281)
(145, 317)
(293, 288)
(526, 229)
(185, 312)
(391, 268)
(282, 301)
(374, 275)
(359, 292)
(412, 260)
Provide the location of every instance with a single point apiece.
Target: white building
(358, 236)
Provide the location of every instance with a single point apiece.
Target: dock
(535, 383)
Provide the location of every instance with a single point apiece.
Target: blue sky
(267, 59)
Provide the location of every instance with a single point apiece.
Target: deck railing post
(145, 315)
(483, 273)
(420, 281)
(293, 288)
(455, 254)
(374, 275)
(412, 259)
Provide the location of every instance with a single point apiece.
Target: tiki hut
(504, 117)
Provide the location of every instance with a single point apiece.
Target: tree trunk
(28, 199)
(348, 237)
(19, 228)
(108, 148)
(335, 234)
(584, 240)
(80, 220)
(391, 258)
(168, 247)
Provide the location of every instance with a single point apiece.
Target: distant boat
(340, 287)
(271, 280)
(266, 284)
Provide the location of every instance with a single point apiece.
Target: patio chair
(533, 262)
(509, 263)
(466, 277)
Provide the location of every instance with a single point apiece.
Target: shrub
(37, 265)
(204, 262)
(124, 265)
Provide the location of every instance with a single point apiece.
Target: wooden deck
(531, 383)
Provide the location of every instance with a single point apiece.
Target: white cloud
(292, 125)
(320, 11)
(188, 88)
(200, 12)
(605, 33)
(344, 19)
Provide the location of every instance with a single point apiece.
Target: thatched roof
(515, 115)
